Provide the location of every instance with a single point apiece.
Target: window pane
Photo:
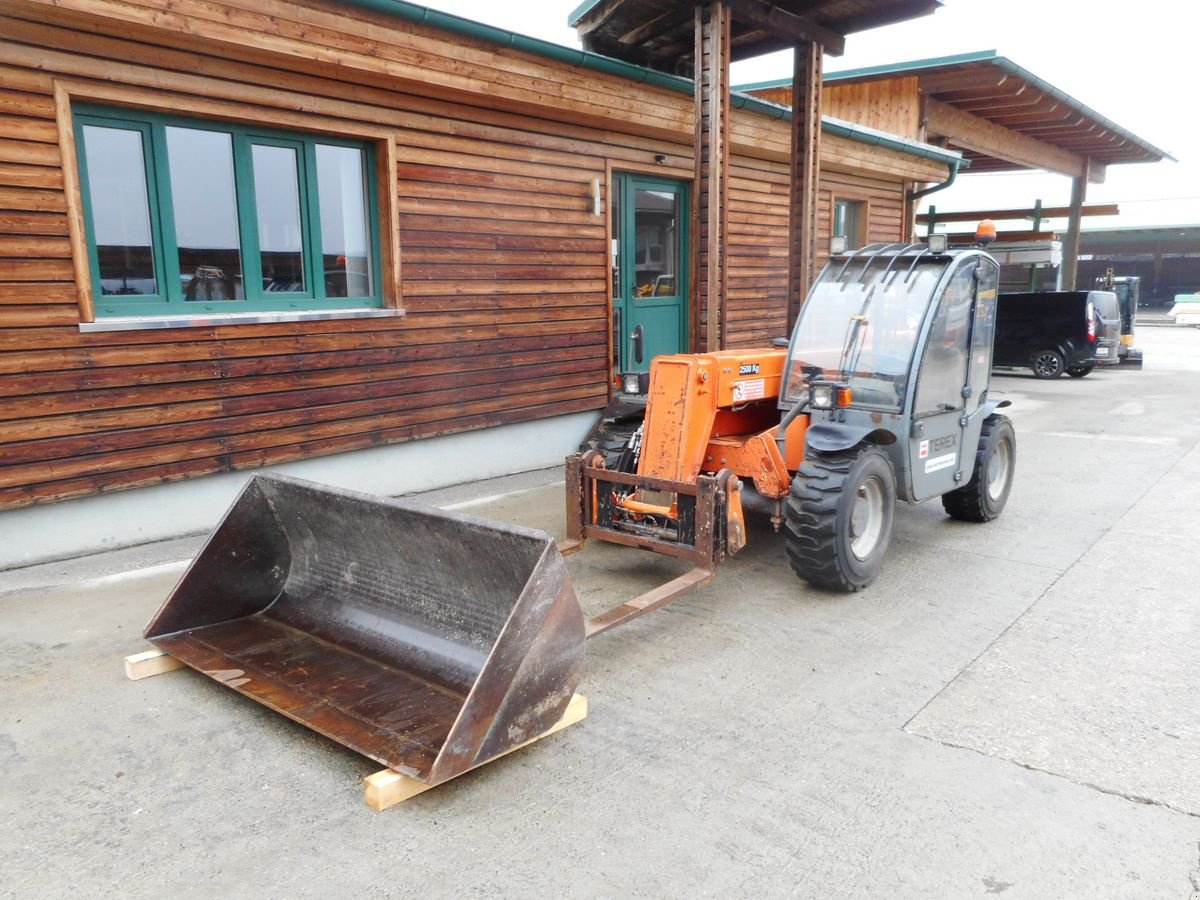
(277, 205)
(847, 215)
(656, 231)
(944, 366)
(120, 209)
(345, 238)
(205, 202)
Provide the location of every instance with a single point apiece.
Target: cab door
(650, 269)
(939, 450)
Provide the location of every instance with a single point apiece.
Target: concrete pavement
(1010, 710)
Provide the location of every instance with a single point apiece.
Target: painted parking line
(1115, 438)
(493, 498)
(145, 572)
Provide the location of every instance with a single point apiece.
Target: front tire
(839, 518)
(1047, 364)
(983, 497)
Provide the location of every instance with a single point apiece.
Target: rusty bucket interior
(427, 640)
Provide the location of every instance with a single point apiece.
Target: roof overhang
(660, 33)
(1004, 118)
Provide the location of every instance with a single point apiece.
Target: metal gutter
(421, 15)
(874, 137)
(934, 188)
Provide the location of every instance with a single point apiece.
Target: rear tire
(1079, 371)
(985, 495)
(839, 518)
(1047, 364)
(618, 456)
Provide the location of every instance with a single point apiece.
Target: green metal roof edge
(916, 65)
(422, 15)
(580, 11)
(871, 71)
(763, 85)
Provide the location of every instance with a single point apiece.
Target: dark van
(1053, 332)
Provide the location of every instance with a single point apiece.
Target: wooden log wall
(756, 274)
(503, 264)
(892, 105)
(883, 200)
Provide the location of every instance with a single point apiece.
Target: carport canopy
(659, 33)
(1004, 118)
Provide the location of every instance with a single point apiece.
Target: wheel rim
(998, 468)
(1046, 364)
(866, 517)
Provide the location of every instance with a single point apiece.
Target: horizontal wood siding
(892, 105)
(758, 247)
(504, 267)
(885, 206)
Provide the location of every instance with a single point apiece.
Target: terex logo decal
(748, 369)
(943, 443)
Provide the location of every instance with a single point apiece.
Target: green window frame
(314, 285)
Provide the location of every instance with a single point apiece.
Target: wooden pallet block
(387, 787)
(150, 662)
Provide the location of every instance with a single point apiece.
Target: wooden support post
(711, 185)
(1070, 263)
(806, 173)
(150, 662)
(388, 787)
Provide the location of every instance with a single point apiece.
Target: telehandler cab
(882, 393)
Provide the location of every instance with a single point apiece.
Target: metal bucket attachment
(427, 640)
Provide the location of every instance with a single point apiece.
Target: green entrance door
(650, 269)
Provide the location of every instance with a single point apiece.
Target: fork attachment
(700, 522)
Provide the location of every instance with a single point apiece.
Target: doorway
(649, 269)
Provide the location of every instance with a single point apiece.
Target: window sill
(140, 323)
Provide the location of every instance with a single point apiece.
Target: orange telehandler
(882, 393)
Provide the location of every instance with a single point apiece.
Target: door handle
(637, 337)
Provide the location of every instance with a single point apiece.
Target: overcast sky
(1135, 68)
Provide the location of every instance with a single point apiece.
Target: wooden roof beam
(781, 23)
(999, 106)
(959, 80)
(597, 17)
(598, 43)
(980, 135)
(891, 14)
(1036, 118)
(667, 22)
(1046, 212)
